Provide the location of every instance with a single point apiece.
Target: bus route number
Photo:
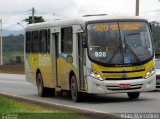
(101, 28)
(100, 54)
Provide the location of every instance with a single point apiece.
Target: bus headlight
(95, 74)
(150, 73)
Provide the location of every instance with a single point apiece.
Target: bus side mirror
(150, 25)
(84, 41)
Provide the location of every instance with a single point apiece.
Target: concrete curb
(85, 112)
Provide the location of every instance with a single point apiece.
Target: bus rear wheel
(76, 96)
(43, 91)
(133, 95)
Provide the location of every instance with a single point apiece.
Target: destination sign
(114, 27)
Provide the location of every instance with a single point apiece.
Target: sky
(15, 11)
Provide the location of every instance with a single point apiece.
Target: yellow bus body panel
(117, 72)
(44, 62)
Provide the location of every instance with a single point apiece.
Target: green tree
(13, 49)
(37, 19)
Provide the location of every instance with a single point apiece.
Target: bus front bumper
(96, 86)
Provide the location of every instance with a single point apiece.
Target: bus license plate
(124, 85)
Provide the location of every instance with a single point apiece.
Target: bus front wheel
(76, 96)
(133, 95)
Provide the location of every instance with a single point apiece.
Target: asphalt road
(148, 102)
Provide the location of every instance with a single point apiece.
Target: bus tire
(43, 91)
(40, 85)
(76, 96)
(133, 95)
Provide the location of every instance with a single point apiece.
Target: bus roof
(80, 20)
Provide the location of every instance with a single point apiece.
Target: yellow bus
(97, 54)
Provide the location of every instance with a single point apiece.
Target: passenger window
(38, 41)
(66, 40)
(28, 41)
(35, 42)
(43, 41)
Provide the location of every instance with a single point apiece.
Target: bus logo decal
(123, 69)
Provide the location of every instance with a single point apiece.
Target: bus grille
(129, 78)
(117, 88)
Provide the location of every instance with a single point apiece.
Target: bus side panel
(28, 71)
(64, 70)
(44, 64)
(32, 67)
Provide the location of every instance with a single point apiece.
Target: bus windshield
(119, 42)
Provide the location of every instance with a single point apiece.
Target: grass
(9, 105)
(11, 109)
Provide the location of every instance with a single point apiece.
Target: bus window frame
(71, 40)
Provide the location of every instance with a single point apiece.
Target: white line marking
(14, 82)
(12, 74)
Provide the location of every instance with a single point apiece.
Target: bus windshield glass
(119, 43)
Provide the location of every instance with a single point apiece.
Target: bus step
(58, 89)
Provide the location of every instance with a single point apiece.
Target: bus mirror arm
(84, 43)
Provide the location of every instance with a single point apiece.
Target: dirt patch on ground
(12, 69)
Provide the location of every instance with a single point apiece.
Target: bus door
(55, 49)
(81, 62)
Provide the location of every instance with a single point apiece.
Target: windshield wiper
(114, 54)
(119, 48)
